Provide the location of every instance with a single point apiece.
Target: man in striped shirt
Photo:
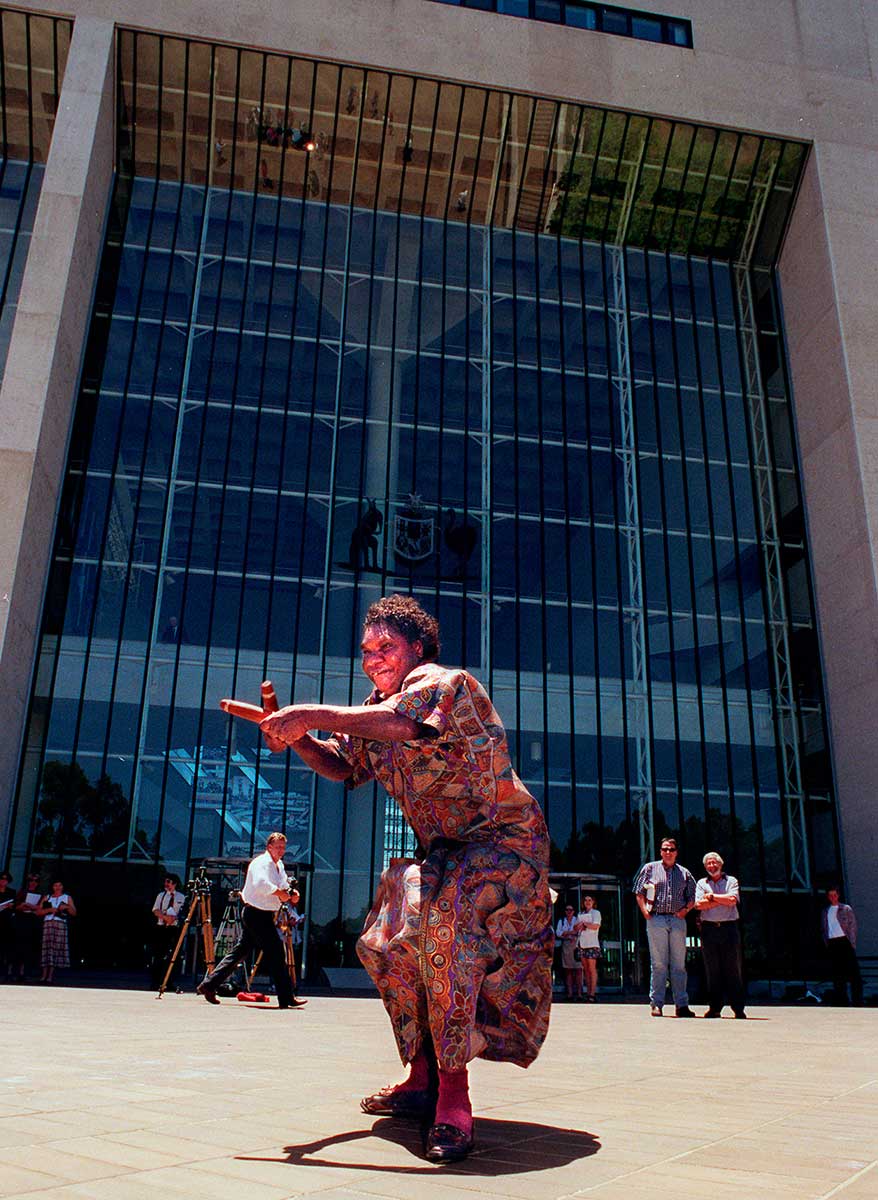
(665, 893)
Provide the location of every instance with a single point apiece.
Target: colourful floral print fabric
(459, 942)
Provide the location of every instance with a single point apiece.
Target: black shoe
(447, 1144)
(294, 1003)
(685, 1011)
(713, 1012)
(208, 993)
(740, 1015)
(655, 1010)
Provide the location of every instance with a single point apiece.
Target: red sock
(453, 1107)
(422, 1074)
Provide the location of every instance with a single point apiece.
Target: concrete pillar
(829, 284)
(40, 385)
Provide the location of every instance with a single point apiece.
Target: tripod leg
(207, 935)
(183, 931)
(257, 960)
(290, 956)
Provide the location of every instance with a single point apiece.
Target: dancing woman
(459, 941)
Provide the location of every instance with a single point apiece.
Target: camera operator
(264, 890)
(166, 910)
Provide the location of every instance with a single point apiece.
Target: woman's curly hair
(404, 615)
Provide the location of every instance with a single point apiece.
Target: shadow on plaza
(502, 1148)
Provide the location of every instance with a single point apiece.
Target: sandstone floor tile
(51, 1159)
(177, 1182)
(105, 1150)
(251, 1174)
(19, 1180)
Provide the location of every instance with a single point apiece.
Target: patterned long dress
(459, 942)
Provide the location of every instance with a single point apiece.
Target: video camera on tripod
(199, 884)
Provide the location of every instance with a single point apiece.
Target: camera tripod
(199, 905)
(286, 927)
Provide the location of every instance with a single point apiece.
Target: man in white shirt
(166, 910)
(264, 891)
(717, 896)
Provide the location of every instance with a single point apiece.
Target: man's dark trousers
(845, 967)
(260, 933)
(721, 951)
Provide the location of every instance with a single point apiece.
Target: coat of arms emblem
(414, 531)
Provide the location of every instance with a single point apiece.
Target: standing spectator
(840, 937)
(55, 909)
(567, 934)
(28, 926)
(166, 910)
(665, 893)
(716, 898)
(7, 928)
(589, 922)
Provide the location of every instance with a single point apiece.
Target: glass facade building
(546, 395)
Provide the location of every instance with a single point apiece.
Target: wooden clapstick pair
(252, 712)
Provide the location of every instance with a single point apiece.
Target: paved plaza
(113, 1095)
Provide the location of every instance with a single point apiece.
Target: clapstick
(238, 708)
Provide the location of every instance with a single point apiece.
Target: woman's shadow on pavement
(502, 1148)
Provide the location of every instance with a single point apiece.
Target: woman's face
(57, 889)
(388, 658)
(588, 902)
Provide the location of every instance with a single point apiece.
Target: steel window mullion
(544, 647)
(573, 153)
(672, 129)
(209, 194)
(713, 557)
(568, 556)
(708, 169)
(664, 534)
(637, 576)
(748, 682)
(614, 375)
(684, 470)
(586, 208)
(248, 520)
(596, 644)
(722, 204)
(283, 431)
(336, 424)
(144, 706)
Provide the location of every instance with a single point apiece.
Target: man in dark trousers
(264, 891)
(166, 910)
(840, 938)
(716, 898)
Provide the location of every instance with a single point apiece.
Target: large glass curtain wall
(291, 406)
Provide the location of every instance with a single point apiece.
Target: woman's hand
(287, 725)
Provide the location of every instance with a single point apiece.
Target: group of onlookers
(666, 892)
(578, 934)
(33, 928)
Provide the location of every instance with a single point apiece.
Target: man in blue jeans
(665, 893)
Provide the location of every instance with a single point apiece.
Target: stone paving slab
(112, 1095)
